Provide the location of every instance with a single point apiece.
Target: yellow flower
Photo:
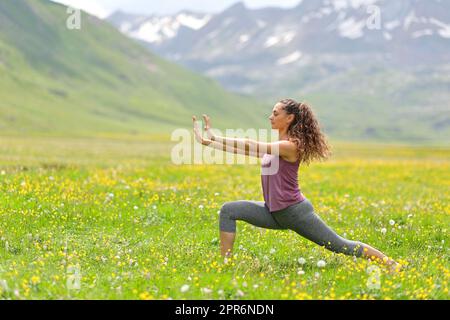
(35, 279)
(145, 296)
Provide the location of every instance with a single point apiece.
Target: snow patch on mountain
(445, 31)
(193, 22)
(156, 29)
(244, 38)
(351, 28)
(421, 33)
(392, 24)
(410, 18)
(290, 58)
(282, 39)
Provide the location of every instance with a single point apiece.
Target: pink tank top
(279, 179)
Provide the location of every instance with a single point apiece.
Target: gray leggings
(299, 217)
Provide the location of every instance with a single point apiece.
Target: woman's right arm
(228, 148)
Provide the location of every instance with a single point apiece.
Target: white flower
(3, 172)
(301, 272)
(216, 194)
(255, 286)
(4, 285)
(184, 288)
(240, 293)
(206, 290)
(135, 207)
(272, 251)
(316, 275)
(410, 215)
(383, 230)
(200, 206)
(321, 263)
(154, 206)
(301, 261)
(391, 222)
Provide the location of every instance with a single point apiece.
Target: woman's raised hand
(208, 127)
(198, 134)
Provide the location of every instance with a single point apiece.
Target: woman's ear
(291, 118)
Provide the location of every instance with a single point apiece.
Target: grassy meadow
(114, 218)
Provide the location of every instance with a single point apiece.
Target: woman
(284, 206)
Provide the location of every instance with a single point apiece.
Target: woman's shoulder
(292, 155)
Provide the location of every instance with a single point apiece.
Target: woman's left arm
(249, 146)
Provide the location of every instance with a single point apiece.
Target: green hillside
(96, 81)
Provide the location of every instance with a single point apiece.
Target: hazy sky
(102, 8)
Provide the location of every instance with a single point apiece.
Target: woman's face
(279, 119)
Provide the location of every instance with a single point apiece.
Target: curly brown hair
(305, 132)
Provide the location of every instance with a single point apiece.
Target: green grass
(136, 226)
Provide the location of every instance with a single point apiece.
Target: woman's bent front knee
(226, 221)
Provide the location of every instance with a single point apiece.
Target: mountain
(96, 81)
(376, 69)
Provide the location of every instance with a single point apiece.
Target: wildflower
(240, 293)
(301, 261)
(391, 222)
(145, 296)
(35, 279)
(301, 272)
(383, 230)
(4, 285)
(272, 251)
(321, 263)
(206, 290)
(200, 206)
(135, 207)
(184, 288)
